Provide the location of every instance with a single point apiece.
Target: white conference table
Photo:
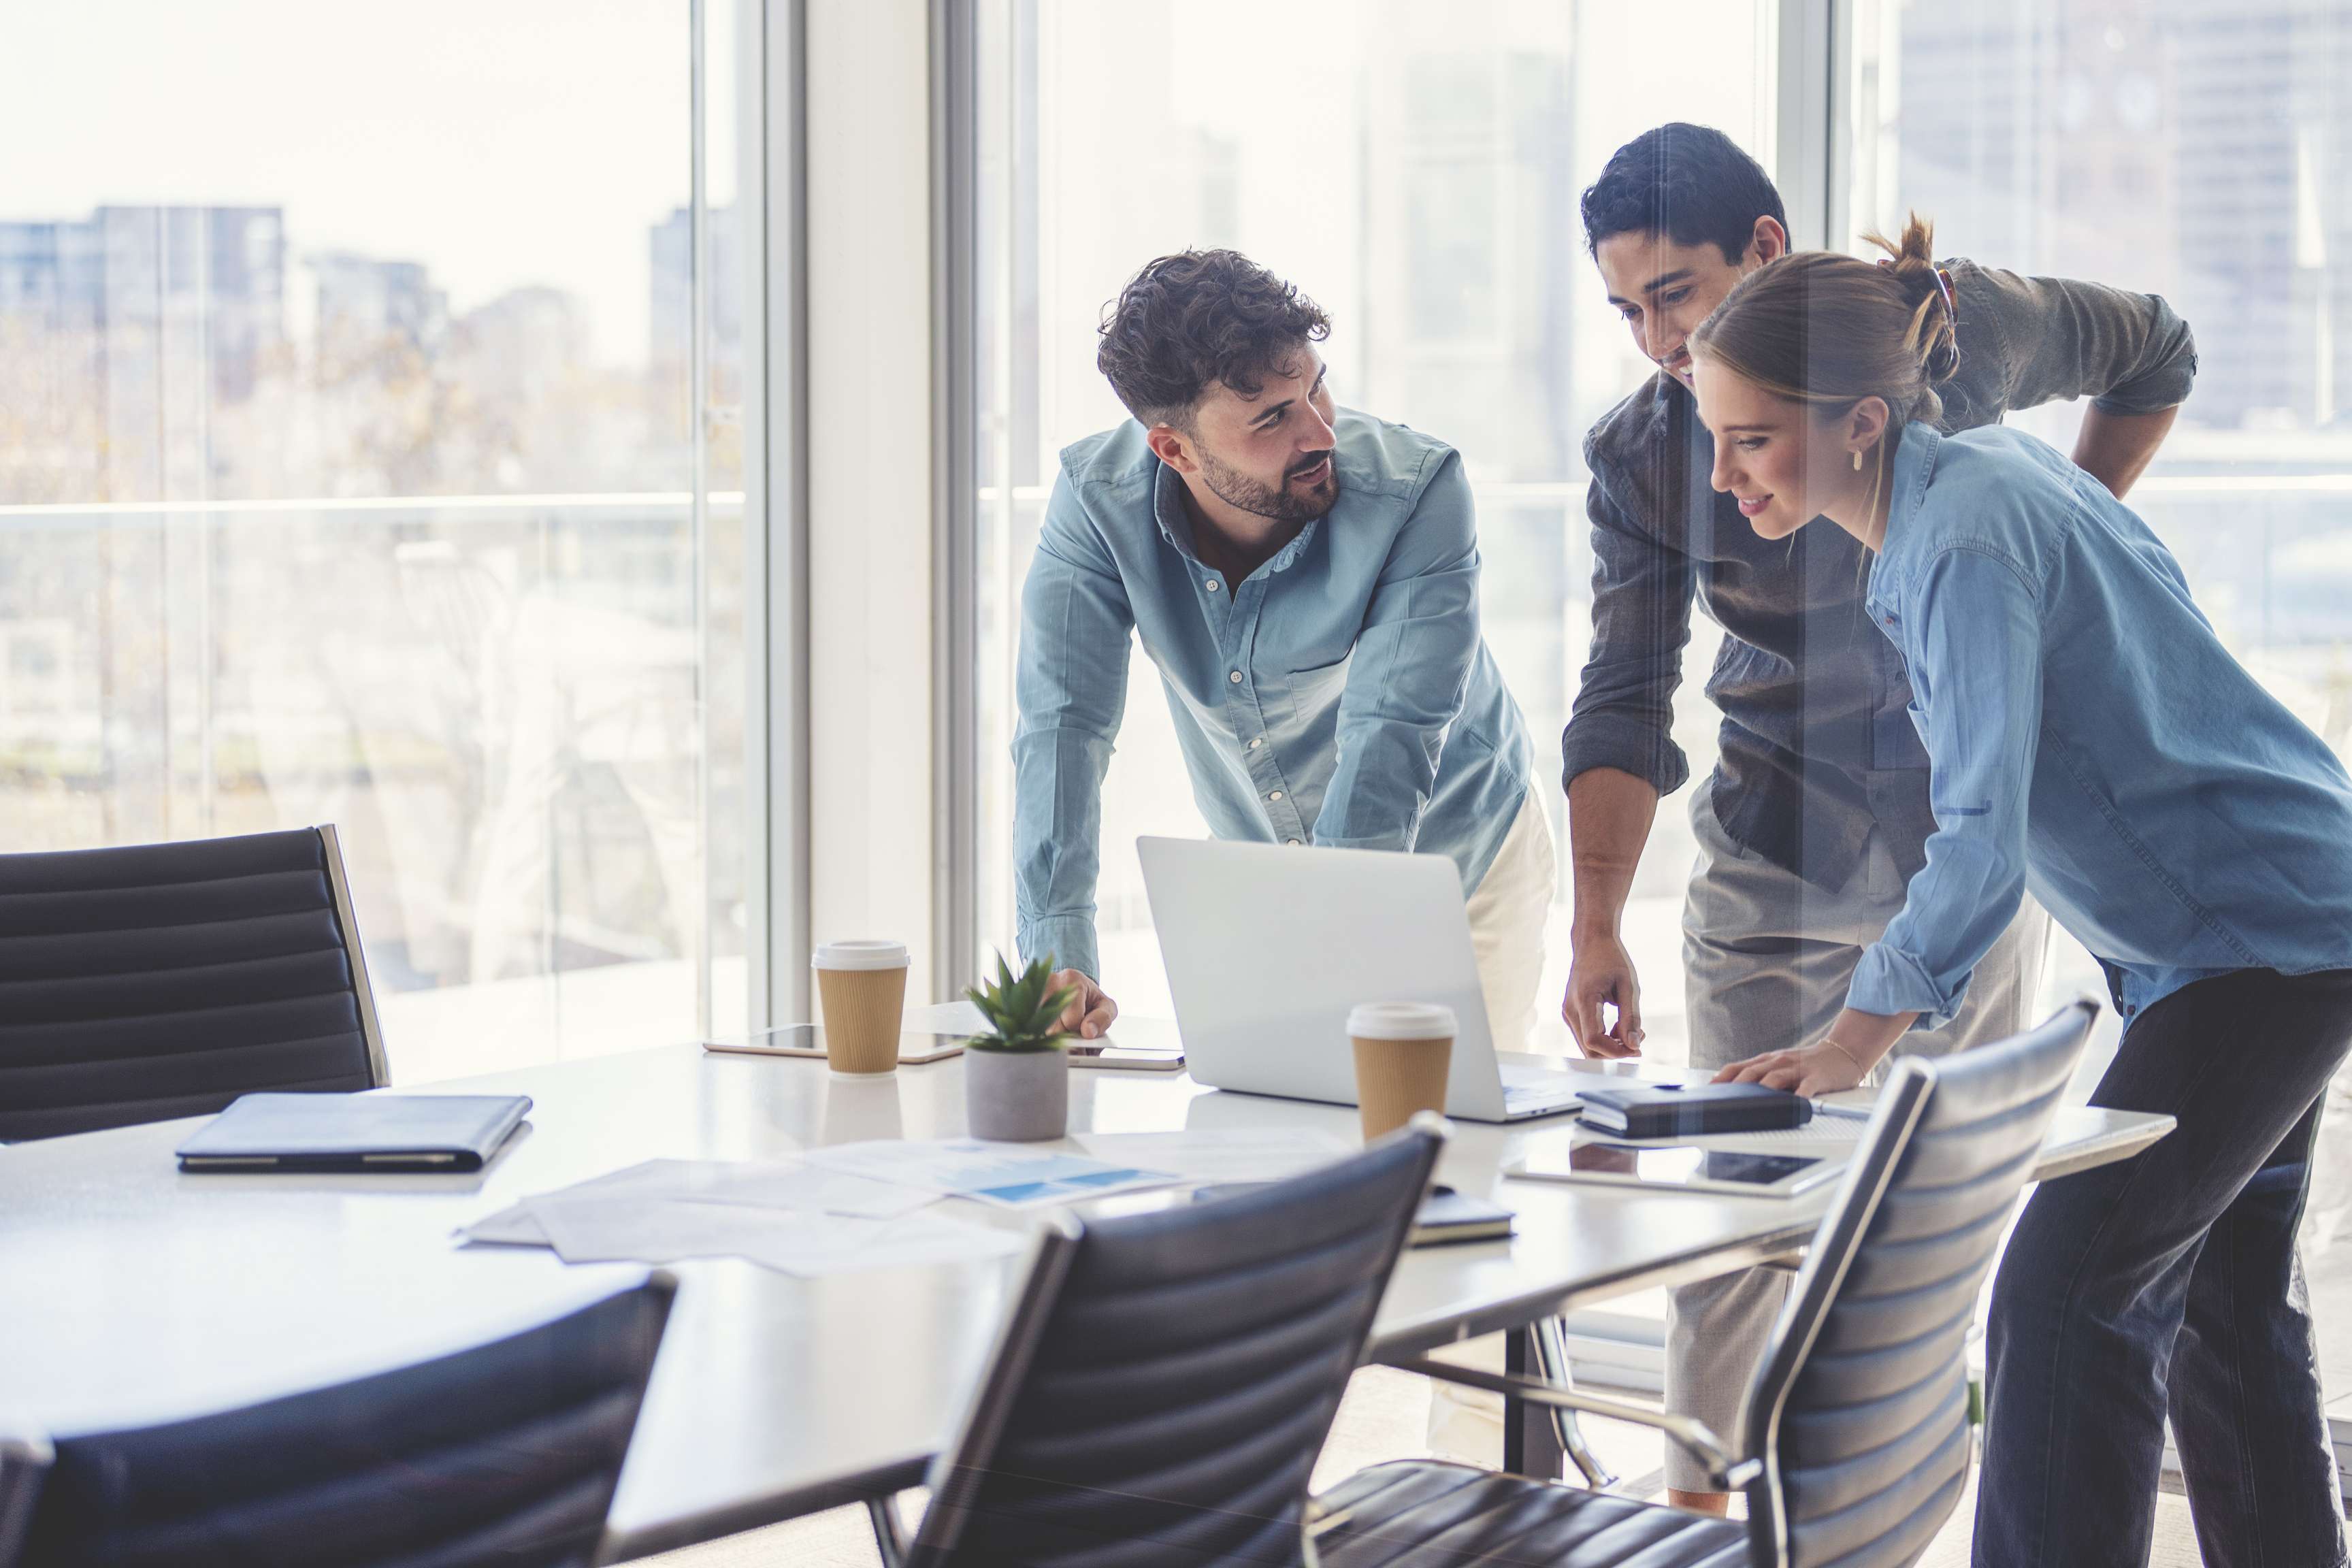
(131, 1294)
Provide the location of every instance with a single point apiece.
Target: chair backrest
(163, 980)
(24, 1465)
(1860, 1407)
(506, 1454)
(1165, 1380)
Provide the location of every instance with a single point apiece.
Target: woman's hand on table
(1813, 1071)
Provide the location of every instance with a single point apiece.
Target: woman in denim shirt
(2090, 739)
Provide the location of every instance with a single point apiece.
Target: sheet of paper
(797, 1242)
(1009, 1176)
(764, 1185)
(922, 1239)
(810, 1188)
(1236, 1155)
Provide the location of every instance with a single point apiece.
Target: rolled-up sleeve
(2131, 353)
(1071, 688)
(1976, 666)
(1624, 711)
(1410, 673)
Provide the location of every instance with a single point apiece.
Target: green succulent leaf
(1024, 1012)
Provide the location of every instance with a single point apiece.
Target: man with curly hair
(1306, 579)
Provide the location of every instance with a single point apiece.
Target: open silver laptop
(1267, 948)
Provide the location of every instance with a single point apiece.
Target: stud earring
(1857, 461)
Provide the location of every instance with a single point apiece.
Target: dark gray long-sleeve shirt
(1817, 746)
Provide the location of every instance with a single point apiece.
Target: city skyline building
(2111, 139)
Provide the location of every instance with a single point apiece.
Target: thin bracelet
(1831, 1042)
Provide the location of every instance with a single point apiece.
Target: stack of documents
(785, 1215)
(851, 1206)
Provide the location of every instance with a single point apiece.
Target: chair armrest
(1694, 1437)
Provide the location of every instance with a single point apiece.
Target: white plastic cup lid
(868, 955)
(1401, 1021)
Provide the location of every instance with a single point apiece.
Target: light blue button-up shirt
(1340, 695)
(2091, 739)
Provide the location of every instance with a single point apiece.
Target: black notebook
(1446, 1215)
(355, 1132)
(1666, 1111)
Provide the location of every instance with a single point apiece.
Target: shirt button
(1274, 795)
(1255, 742)
(1235, 678)
(1292, 842)
(1213, 584)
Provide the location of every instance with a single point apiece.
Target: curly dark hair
(1200, 317)
(1690, 182)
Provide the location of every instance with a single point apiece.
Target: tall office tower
(367, 307)
(2197, 148)
(670, 331)
(52, 286)
(125, 332)
(1470, 232)
(193, 311)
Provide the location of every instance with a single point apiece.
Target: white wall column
(869, 474)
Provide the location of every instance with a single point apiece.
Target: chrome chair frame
(1754, 1467)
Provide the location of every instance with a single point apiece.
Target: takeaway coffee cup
(1402, 1049)
(862, 986)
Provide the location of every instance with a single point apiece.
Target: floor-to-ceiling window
(1414, 168)
(2201, 150)
(354, 469)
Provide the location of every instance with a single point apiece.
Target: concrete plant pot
(1016, 1096)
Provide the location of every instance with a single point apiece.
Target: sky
(501, 142)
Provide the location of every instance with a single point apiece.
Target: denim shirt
(1341, 695)
(1816, 755)
(2091, 739)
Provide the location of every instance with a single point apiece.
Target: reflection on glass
(2202, 151)
(346, 474)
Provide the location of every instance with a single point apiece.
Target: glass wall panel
(2201, 150)
(1415, 169)
(349, 473)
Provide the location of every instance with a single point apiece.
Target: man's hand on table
(1090, 1011)
(1602, 973)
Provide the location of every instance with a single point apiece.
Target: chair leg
(886, 1538)
(1550, 1341)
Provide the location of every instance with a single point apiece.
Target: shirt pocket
(1315, 693)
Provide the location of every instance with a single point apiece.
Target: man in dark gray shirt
(1817, 814)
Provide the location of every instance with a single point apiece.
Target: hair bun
(1934, 331)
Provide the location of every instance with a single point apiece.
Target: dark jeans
(2168, 1284)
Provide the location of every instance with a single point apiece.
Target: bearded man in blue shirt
(1305, 578)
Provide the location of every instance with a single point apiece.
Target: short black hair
(1690, 182)
(1199, 317)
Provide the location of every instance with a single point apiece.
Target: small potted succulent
(1016, 1081)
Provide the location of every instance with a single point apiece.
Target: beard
(1287, 503)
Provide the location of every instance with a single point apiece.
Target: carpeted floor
(1385, 1418)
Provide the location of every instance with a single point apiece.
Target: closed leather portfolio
(1663, 1110)
(355, 1132)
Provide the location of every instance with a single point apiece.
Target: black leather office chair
(163, 980)
(24, 1463)
(1857, 1419)
(506, 1454)
(1165, 1380)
